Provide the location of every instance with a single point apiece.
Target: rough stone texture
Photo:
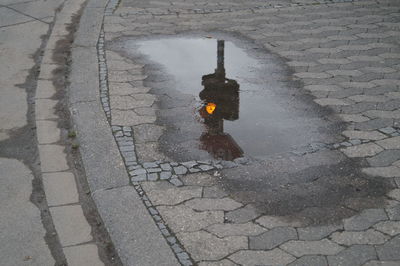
(205, 246)
(274, 221)
(388, 171)
(384, 158)
(199, 179)
(353, 256)
(310, 261)
(82, 255)
(203, 204)
(321, 247)
(123, 213)
(256, 257)
(184, 219)
(391, 228)
(52, 158)
(272, 238)
(370, 237)
(363, 150)
(226, 229)
(47, 132)
(218, 263)
(364, 220)
(390, 250)
(163, 193)
(71, 225)
(390, 143)
(242, 215)
(60, 188)
(371, 135)
(317, 232)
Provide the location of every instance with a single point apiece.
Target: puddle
(241, 104)
(227, 98)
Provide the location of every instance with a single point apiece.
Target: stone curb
(131, 228)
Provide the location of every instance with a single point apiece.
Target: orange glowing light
(210, 108)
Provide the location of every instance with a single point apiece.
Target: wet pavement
(272, 143)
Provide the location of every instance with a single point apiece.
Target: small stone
(180, 170)
(228, 164)
(189, 164)
(363, 150)
(310, 260)
(166, 167)
(275, 257)
(317, 232)
(370, 237)
(272, 238)
(226, 229)
(390, 250)
(365, 219)
(150, 165)
(139, 178)
(165, 175)
(194, 170)
(355, 255)
(139, 171)
(387, 130)
(321, 247)
(391, 228)
(242, 215)
(154, 170)
(205, 246)
(152, 177)
(206, 167)
(176, 181)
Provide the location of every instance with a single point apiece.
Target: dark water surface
(255, 113)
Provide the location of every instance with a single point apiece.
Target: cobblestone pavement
(344, 53)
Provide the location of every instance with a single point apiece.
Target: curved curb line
(132, 230)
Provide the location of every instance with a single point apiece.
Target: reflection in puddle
(202, 112)
(221, 102)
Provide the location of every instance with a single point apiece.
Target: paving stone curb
(107, 179)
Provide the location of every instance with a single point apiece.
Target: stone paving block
(272, 238)
(349, 238)
(71, 225)
(60, 188)
(276, 221)
(391, 228)
(365, 219)
(394, 194)
(330, 101)
(203, 204)
(275, 257)
(388, 171)
(147, 132)
(385, 158)
(374, 124)
(381, 263)
(390, 143)
(130, 118)
(353, 256)
(317, 232)
(87, 255)
(227, 229)
(390, 250)
(310, 261)
(242, 215)
(163, 193)
(218, 263)
(45, 108)
(394, 212)
(47, 132)
(53, 158)
(199, 179)
(363, 150)
(184, 219)
(322, 247)
(45, 89)
(357, 134)
(205, 246)
(328, 88)
(214, 192)
(353, 118)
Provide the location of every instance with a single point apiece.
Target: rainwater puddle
(238, 105)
